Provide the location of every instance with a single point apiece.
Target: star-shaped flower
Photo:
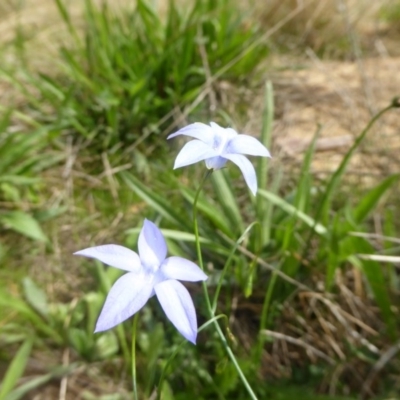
(217, 145)
(149, 273)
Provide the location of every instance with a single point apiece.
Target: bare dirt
(340, 97)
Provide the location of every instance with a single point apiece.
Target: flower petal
(114, 255)
(151, 245)
(245, 144)
(247, 169)
(226, 133)
(197, 130)
(126, 297)
(215, 162)
(178, 306)
(181, 269)
(192, 152)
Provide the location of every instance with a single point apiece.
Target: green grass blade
(24, 311)
(377, 281)
(262, 166)
(304, 184)
(161, 204)
(324, 207)
(66, 18)
(16, 368)
(337, 176)
(24, 224)
(36, 382)
(370, 200)
(212, 213)
(227, 200)
(292, 210)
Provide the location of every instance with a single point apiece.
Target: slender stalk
(228, 264)
(207, 298)
(134, 329)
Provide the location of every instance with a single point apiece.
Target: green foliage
(16, 369)
(21, 162)
(390, 12)
(286, 227)
(23, 223)
(121, 81)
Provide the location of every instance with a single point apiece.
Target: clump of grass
(21, 162)
(131, 73)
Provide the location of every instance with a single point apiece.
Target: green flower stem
(134, 329)
(206, 296)
(228, 264)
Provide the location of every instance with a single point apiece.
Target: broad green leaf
(23, 223)
(35, 296)
(106, 345)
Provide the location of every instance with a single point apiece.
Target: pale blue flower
(149, 273)
(216, 145)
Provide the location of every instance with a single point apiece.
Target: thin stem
(228, 264)
(134, 329)
(207, 298)
(195, 223)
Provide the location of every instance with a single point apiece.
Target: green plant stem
(207, 298)
(228, 264)
(134, 329)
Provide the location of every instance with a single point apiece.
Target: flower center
(219, 143)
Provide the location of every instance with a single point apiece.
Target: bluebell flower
(148, 273)
(216, 145)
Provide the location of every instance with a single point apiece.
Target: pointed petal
(247, 169)
(151, 245)
(114, 255)
(226, 133)
(181, 269)
(245, 144)
(197, 130)
(192, 152)
(178, 306)
(126, 297)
